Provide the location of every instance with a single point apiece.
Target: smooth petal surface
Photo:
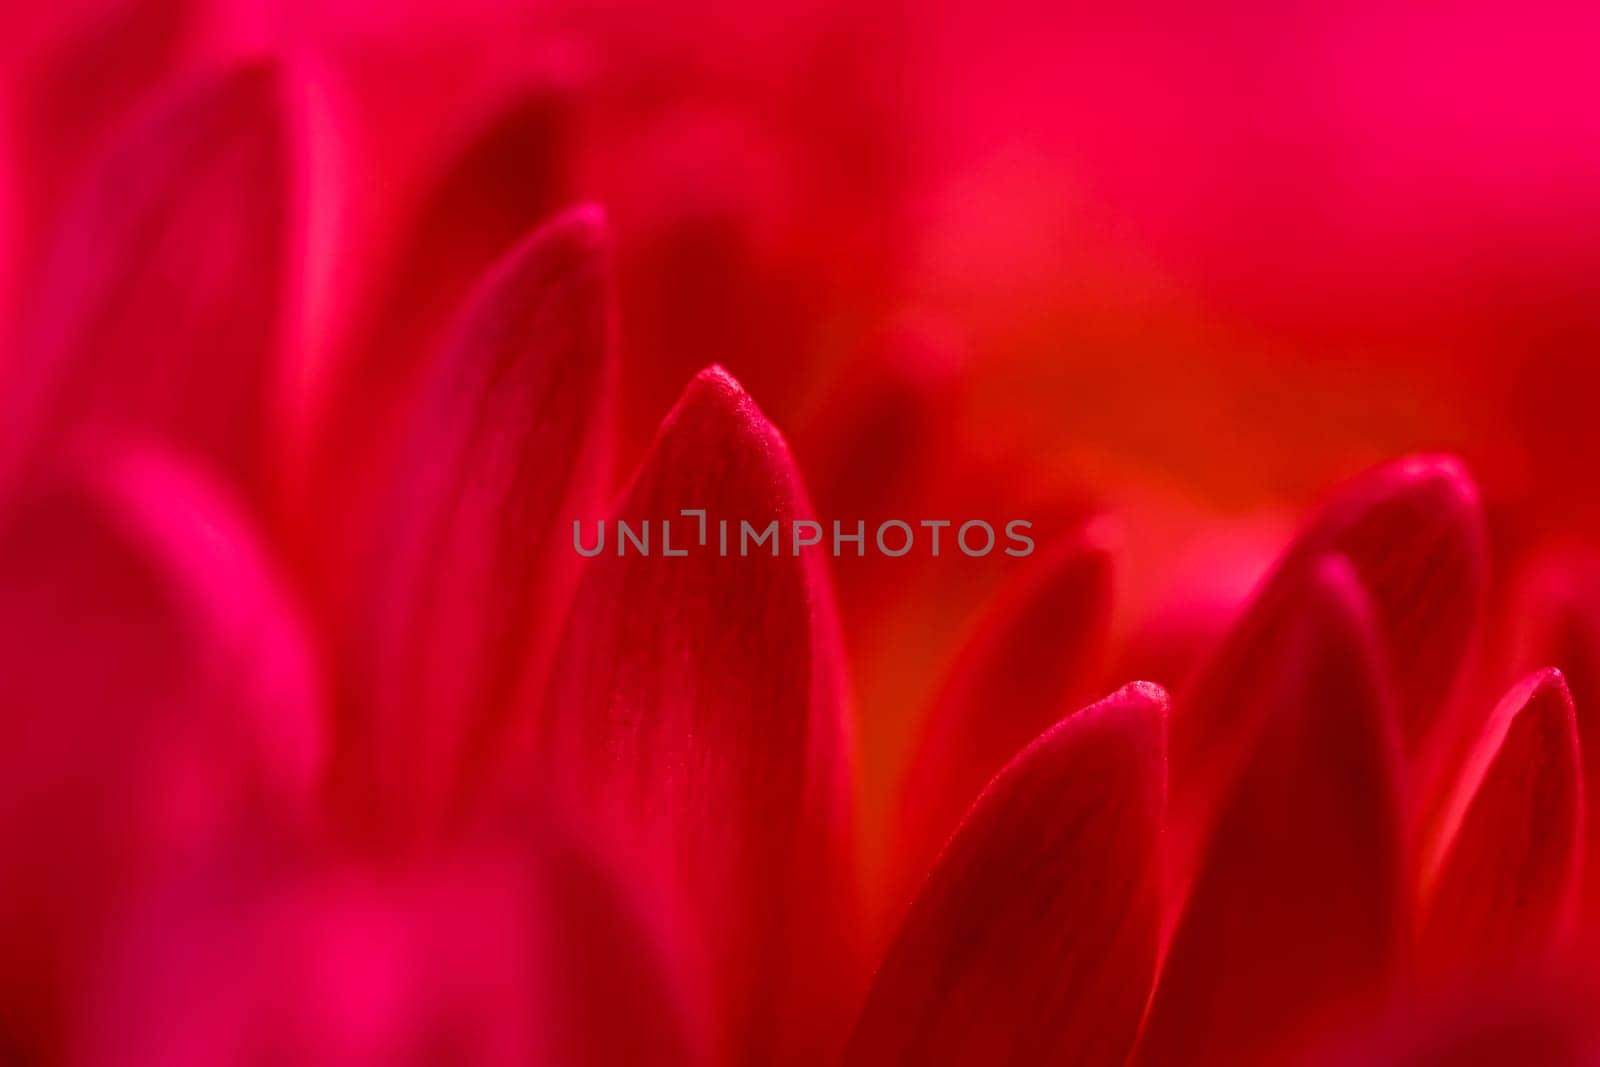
(1298, 910)
(485, 958)
(696, 710)
(1032, 660)
(1515, 1020)
(155, 698)
(1561, 619)
(1034, 939)
(496, 186)
(1503, 869)
(1413, 532)
(468, 559)
(160, 310)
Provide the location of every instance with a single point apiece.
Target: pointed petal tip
(1033, 938)
(1547, 683)
(1148, 694)
(1488, 882)
(1139, 710)
(714, 397)
(716, 380)
(1443, 479)
(585, 224)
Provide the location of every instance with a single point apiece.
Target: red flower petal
(1562, 610)
(1414, 533)
(697, 705)
(93, 63)
(1029, 663)
(483, 958)
(469, 560)
(1516, 1020)
(161, 308)
(158, 699)
(499, 186)
(1297, 911)
(1502, 871)
(1034, 939)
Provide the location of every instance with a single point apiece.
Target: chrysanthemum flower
(322, 742)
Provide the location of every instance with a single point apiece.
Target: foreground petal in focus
(1413, 532)
(160, 310)
(467, 563)
(155, 699)
(1029, 663)
(1502, 874)
(1298, 913)
(1034, 939)
(696, 710)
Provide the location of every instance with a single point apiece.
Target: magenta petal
(1034, 939)
(1298, 908)
(500, 183)
(1032, 660)
(1502, 873)
(469, 561)
(158, 699)
(495, 957)
(160, 312)
(696, 707)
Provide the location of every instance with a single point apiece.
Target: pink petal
(1414, 534)
(1503, 869)
(158, 700)
(483, 958)
(1034, 939)
(696, 708)
(1297, 911)
(1031, 661)
(95, 63)
(500, 184)
(468, 561)
(160, 311)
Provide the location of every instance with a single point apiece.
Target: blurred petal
(158, 699)
(697, 706)
(1502, 872)
(1414, 534)
(1034, 939)
(484, 959)
(505, 179)
(501, 183)
(1561, 612)
(160, 309)
(1297, 913)
(469, 564)
(1519, 1019)
(1031, 661)
(94, 64)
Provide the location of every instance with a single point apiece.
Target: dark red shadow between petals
(1297, 914)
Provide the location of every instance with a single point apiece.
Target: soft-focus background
(1179, 267)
